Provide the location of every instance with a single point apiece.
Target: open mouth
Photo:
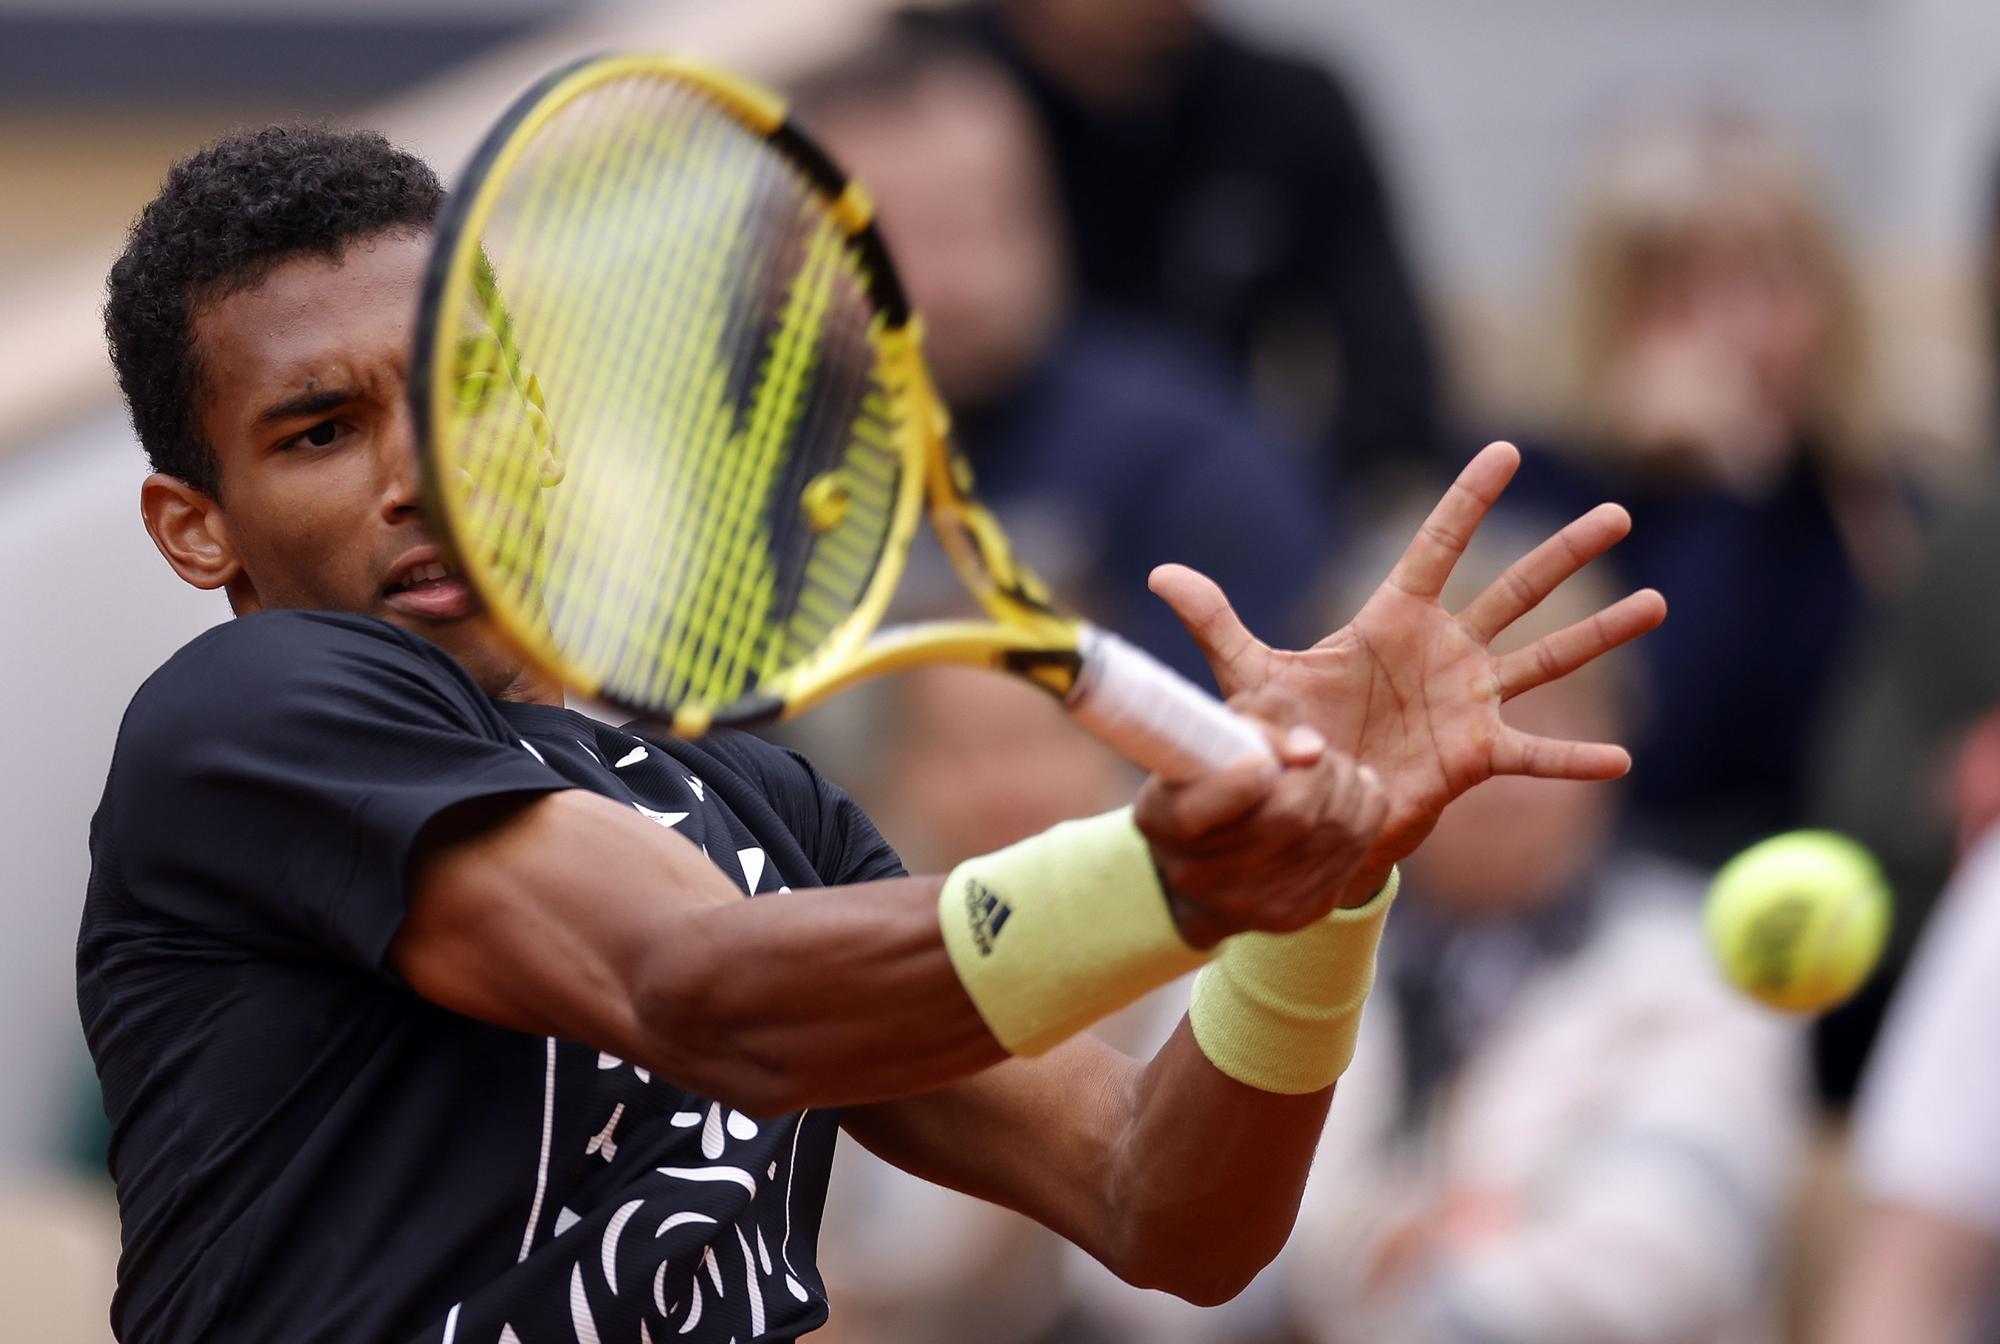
(429, 588)
(422, 577)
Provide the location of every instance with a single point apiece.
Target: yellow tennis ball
(1798, 921)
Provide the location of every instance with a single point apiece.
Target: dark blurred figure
(1103, 452)
(1720, 388)
(1927, 673)
(1231, 193)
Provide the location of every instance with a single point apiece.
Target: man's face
(304, 379)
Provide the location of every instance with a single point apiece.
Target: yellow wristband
(1052, 934)
(1280, 1012)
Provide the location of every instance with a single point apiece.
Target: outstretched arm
(1172, 1173)
(571, 915)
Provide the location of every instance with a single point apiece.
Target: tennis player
(429, 1010)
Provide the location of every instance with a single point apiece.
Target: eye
(322, 435)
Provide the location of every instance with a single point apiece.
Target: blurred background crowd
(1240, 284)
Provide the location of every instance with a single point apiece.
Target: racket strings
(741, 593)
(717, 480)
(697, 330)
(624, 577)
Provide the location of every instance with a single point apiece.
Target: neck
(526, 686)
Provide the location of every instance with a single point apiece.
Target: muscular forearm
(575, 917)
(822, 998)
(1206, 1186)
(1171, 1174)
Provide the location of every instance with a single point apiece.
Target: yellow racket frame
(1025, 634)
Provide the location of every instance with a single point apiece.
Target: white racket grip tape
(1152, 715)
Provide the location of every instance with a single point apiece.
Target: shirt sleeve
(270, 781)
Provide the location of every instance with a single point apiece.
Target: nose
(402, 487)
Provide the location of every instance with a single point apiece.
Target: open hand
(1414, 691)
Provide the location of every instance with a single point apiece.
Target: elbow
(1198, 1285)
(1204, 1262)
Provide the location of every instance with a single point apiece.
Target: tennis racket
(678, 435)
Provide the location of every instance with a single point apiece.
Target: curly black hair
(228, 214)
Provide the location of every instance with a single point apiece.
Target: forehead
(345, 319)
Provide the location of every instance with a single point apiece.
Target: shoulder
(1306, 91)
(1275, 103)
(282, 665)
(251, 649)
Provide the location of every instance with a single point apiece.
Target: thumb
(1233, 653)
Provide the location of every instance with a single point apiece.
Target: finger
(1292, 742)
(1445, 534)
(1518, 753)
(1233, 653)
(1287, 814)
(1538, 573)
(1567, 649)
(1178, 813)
(1301, 744)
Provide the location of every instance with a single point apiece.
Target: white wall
(89, 610)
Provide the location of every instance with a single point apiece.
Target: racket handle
(1152, 715)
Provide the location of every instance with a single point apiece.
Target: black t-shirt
(304, 1148)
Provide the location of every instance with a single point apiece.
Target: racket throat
(1056, 671)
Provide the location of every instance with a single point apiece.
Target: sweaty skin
(573, 916)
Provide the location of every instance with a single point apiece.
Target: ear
(190, 529)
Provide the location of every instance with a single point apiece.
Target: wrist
(1049, 935)
(1197, 928)
(1365, 883)
(1281, 1012)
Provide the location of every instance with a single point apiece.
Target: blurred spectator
(1103, 454)
(1233, 193)
(1882, 772)
(58, 1260)
(1720, 392)
(1912, 694)
(1922, 1264)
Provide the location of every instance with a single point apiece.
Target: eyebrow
(315, 402)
